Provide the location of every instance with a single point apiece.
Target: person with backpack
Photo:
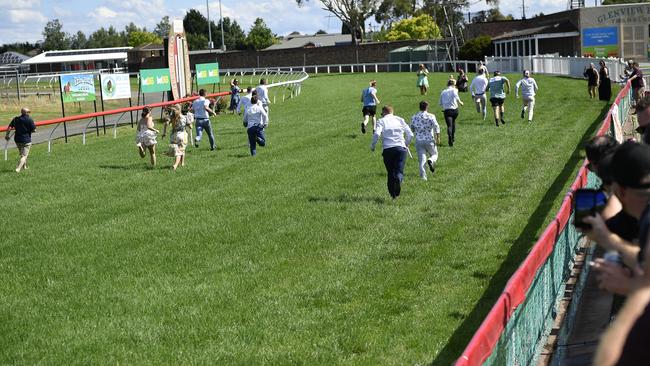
(24, 127)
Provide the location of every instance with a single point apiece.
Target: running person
(255, 121)
(528, 90)
(263, 94)
(449, 101)
(478, 88)
(392, 129)
(427, 136)
(146, 136)
(498, 86)
(235, 96)
(370, 102)
(423, 80)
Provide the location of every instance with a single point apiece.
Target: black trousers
(394, 160)
(450, 120)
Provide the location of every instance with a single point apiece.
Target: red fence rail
(486, 337)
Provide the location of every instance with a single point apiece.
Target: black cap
(605, 169)
(631, 165)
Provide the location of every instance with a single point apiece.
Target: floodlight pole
(207, 6)
(223, 44)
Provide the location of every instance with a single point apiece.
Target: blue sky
(23, 20)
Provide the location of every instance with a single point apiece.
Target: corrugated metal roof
(95, 54)
(319, 40)
(12, 58)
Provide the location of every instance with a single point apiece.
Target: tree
(163, 27)
(352, 13)
(139, 38)
(103, 38)
(320, 31)
(420, 27)
(196, 41)
(260, 36)
(54, 38)
(234, 36)
(78, 41)
(476, 49)
(392, 10)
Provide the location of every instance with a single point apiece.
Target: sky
(24, 20)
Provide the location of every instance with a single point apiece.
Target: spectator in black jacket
(24, 126)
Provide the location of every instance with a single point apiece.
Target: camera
(587, 202)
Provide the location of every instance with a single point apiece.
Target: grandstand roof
(318, 40)
(12, 58)
(93, 54)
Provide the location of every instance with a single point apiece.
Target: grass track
(295, 256)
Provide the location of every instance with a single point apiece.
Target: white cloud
(19, 4)
(61, 12)
(18, 16)
(103, 13)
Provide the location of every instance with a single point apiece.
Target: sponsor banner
(155, 80)
(600, 42)
(207, 73)
(115, 86)
(78, 88)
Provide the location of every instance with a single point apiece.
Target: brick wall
(364, 53)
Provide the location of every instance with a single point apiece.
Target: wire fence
(516, 328)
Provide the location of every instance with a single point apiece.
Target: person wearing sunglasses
(643, 118)
(24, 126)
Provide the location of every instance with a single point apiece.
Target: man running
(427, 135)
(392, 130)
(528, 90)
(498, 86)
(263, 94)
(478, 88)
(370, 102)
(24, 126)
(449, 101)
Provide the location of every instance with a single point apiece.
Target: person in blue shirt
(24, 126)
(370, 102)
(498, 86)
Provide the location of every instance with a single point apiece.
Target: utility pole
(210, 44)
(223, 44)
(523, 9)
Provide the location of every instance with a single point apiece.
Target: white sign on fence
(115, 86)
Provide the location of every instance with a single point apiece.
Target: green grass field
(296, 256)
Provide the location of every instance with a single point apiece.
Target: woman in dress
(235, 90)
(462, 82)
(592, 79)
(178, 137)
(605, 87)
(146, 135)
(423, 80)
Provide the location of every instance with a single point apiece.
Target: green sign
(155, 80)
(207, 73)
(77, 88)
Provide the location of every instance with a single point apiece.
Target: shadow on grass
(239, 156)
(128, 167)
(518, 251)
(344, 198)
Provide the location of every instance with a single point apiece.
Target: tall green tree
(54, 38)
(78, 41)
(352, 13)
(139, 38)
(196, 41)
(104, 38)
(420, 27)
(260, 36)
(234, 36)
(163, 27)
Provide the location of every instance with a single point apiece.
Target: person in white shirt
(392, 130)
(481, 66)
(202, 112)
(255, 120)
(427, 135)
(245, 101)
(263, 94)
(478, 89)
(528, 90)
(449, 101)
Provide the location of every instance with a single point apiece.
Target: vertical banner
(600, 42)
(207, 73)
(178, 57)
(155, 80)
(115, 86)
(77, 88)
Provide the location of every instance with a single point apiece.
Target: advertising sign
(207, 73)
(155, 80)
(115, 86)
(77, 88)
(600, 42)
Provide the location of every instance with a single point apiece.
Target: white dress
(145, 136)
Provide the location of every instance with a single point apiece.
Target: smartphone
(587, 202)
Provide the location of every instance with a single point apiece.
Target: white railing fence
(568, 66)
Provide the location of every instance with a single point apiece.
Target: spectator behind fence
(605, 87)
(599, 151)
(637, 82)
(643, 118)
(24, 126)
(392, 130)
(592, 79)
(255, 120)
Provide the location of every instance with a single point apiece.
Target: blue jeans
(394, 160)
(204, 124)
(256, 135)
